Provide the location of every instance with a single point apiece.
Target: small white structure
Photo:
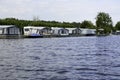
(71, 30)
(88, 32)
(9, 30)
(31, 31)
(100, 31)
(74, 31)
(60, 31)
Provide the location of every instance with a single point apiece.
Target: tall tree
(104, 21)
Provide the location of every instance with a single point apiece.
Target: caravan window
(26, 29)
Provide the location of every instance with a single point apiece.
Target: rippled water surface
(72, 58)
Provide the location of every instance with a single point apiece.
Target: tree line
(22, 23)
(103, 22)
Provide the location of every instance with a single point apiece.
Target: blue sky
(59, 10)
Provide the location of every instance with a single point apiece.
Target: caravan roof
(6, 26)
(39, 27)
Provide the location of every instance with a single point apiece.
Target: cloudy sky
(59, 10)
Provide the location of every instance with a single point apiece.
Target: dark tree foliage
(78, 25)
(87, 24)
(22, 23)
(104, 21)
(117, 26)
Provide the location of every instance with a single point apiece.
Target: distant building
(117, 32)
(100, 31)
(60, 31)
(10, 31)
(74, 31)
(31, 31)
(77, 31)
(46, 31)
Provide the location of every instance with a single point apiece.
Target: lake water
(69, 58)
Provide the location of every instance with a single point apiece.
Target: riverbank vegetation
(103, 22)
(22, 23)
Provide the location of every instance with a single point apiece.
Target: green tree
(76, 25)
(104, 21)
(117, 26)
(87, 24)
